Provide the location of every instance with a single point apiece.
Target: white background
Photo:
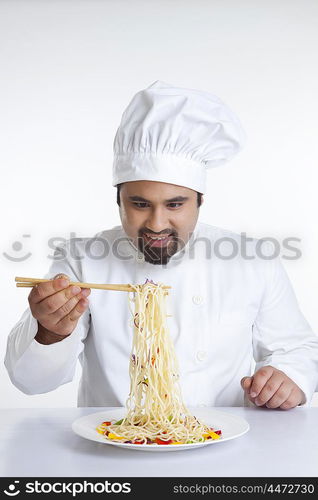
(68, 70)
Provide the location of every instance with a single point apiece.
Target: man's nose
(158, 220)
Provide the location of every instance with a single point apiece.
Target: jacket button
(197, 299)
(201, 355)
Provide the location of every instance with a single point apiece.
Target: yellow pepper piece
(100, 429)
(211, 434)
(214, 435)
(176, 442)
(114, 436)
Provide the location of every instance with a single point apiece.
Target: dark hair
(199, 196)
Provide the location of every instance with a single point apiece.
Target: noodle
(155, 410)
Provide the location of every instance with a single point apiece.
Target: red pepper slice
(107, 423)
(138, 441)
(160, 441)
(218, 432)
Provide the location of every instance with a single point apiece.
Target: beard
(158, 255)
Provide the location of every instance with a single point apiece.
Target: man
(224, 310)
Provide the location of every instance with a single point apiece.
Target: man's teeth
(157, 237)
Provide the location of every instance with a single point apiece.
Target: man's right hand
(57, 306)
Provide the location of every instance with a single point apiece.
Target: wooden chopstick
(31, 282)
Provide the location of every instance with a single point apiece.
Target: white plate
(231, 426)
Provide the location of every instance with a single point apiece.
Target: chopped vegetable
(135, 321)
(161, 441)
(100, 429)
(114, 436)
(212, 435)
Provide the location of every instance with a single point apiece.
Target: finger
(68, 323)
(54, 302)
(281, 395)
(67, 307)
(294, 399)
(61, 275)
(246, 383)
(43, 290)
(270, 388)
(259, 380)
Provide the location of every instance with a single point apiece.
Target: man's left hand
(270, 387)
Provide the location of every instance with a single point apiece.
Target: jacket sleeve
(35, 368)
(282, 337)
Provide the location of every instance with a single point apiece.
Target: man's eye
(144, 204)
(174, 205)
(141, 204)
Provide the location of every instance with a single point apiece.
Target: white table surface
(40, 442)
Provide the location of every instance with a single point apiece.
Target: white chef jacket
(226, 317)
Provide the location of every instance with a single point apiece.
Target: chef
(239, 335)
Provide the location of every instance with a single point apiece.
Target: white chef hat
(170, 134)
